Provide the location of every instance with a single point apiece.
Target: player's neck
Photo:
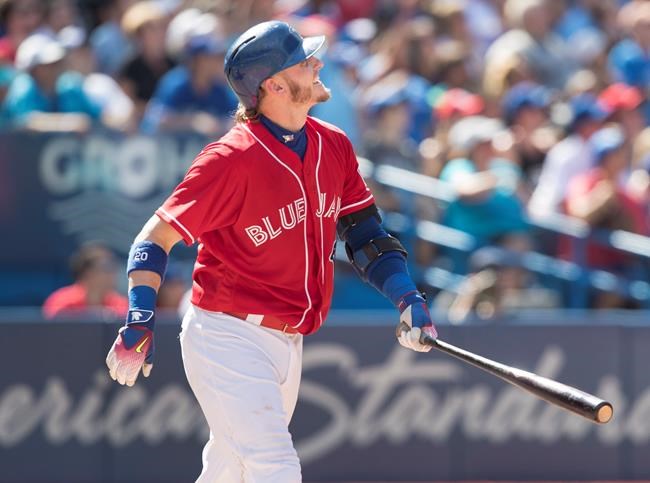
(292, 118)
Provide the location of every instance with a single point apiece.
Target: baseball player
(264, 204)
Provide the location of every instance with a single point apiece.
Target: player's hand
(133, 348)
(414, 322)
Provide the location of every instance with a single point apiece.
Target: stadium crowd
(525, 107)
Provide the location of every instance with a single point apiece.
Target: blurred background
(508, 146)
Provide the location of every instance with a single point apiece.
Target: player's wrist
(142, 304)
(401, 290)
(410, 298)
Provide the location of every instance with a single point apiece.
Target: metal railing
(575, 272)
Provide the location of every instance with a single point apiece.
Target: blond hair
(244, 114)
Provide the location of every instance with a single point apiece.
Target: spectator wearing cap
(532, 38)
(598, 198)
(625, 103)
(145, 23)
(569, 157)
(629, 59)
(194, 95)
(111, 45)
(404, 56)
(486, 185)
(503, 70)
(116, 108)
(585, 25)
(454, 104)
(44, 96)
(185, 25)
(525, 112)
(94, 270)
(449, 107)
(386, 141)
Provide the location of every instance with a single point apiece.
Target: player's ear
(273, 85)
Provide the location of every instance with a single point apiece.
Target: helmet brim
(311, 45)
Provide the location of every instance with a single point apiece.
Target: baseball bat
(554, 392)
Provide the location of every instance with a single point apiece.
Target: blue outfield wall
(368, 410)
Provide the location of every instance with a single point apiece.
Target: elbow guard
(348, 222)
(362, 258)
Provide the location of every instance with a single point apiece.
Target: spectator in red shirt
(94, 269)
(599, 198)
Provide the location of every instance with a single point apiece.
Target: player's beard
(304, 95)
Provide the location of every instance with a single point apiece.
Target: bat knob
(604, 413)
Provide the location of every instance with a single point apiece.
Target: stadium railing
(574, 272)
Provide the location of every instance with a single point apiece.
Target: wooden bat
(567, 397)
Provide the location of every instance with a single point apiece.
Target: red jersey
(72, 299)
(265, 221)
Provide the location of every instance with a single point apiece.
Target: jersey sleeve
(209, 197)
(356, 194)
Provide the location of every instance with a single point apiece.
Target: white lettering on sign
(394, 400)
(106, 188)
(133, 167)
(132, 413)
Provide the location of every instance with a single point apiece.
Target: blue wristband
(147, 255)
(142, 302)
(401, 290)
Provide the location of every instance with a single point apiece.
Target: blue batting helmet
(262, 51)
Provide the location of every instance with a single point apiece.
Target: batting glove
(414, 322)
(133, 348)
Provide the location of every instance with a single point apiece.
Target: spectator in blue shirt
(487, 204)
(43, 96)
(629, 61)
(193, 96)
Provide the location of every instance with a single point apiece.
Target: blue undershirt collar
(296, 141)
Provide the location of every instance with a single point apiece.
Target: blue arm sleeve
(388, 273)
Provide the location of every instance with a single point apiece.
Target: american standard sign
(360, 402)
(396, 396)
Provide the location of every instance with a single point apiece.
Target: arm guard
(365, 239)
(362, 258)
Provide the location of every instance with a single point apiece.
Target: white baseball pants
(246, 380)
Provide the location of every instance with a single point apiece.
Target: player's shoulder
(327, 129)
(232, 147)
(332, 135)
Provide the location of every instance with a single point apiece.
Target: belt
(268, 321)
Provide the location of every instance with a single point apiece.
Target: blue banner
(57, 190)
(60, 190)
(368, 409)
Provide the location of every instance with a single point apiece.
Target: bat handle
(428, 340)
